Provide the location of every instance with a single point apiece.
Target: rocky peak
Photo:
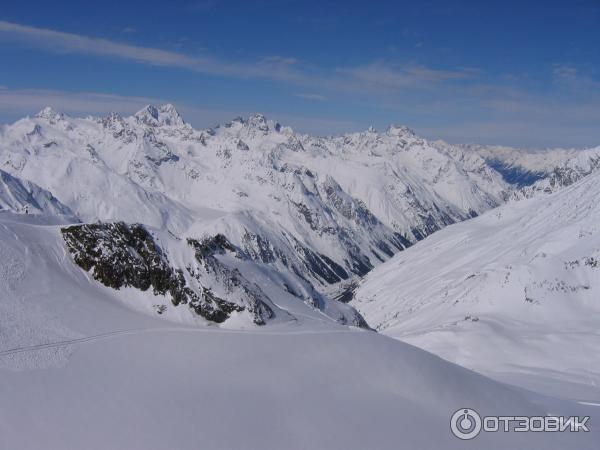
(119, 127)
(400, 130)
(148, 115)
(164, 115)
(258, 122)
(168, 115)
(50, 114)
(239, 120)
(111, 119)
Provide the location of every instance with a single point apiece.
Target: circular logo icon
(465, 423)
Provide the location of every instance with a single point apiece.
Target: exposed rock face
(234, 284)
(122, 255)
(208, 281)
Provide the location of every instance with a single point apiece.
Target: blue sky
(523, 73)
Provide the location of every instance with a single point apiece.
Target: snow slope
(80, 370)
(22, 196)
(512, 294)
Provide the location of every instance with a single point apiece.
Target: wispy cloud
(573, 78)
(314, 97)
(384, 74)
(379, 75)
(68, 42)
(277, 68)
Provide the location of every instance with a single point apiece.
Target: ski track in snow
(118, 333)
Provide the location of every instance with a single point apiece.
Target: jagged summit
(49, 113)
(399, 130)
(111, 119)
(114, 116)
(164, 115)
(259, 122)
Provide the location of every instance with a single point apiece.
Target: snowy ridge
(25, 197)
(523, 279)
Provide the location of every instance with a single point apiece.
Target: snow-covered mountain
(513, 293)
(302, 212)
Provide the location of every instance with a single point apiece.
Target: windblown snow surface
(513, 294)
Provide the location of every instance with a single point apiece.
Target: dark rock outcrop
(121, 255)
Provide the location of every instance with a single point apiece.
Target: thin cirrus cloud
(572, 78)
(274, 67)
(384, 74)
(379, 75)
